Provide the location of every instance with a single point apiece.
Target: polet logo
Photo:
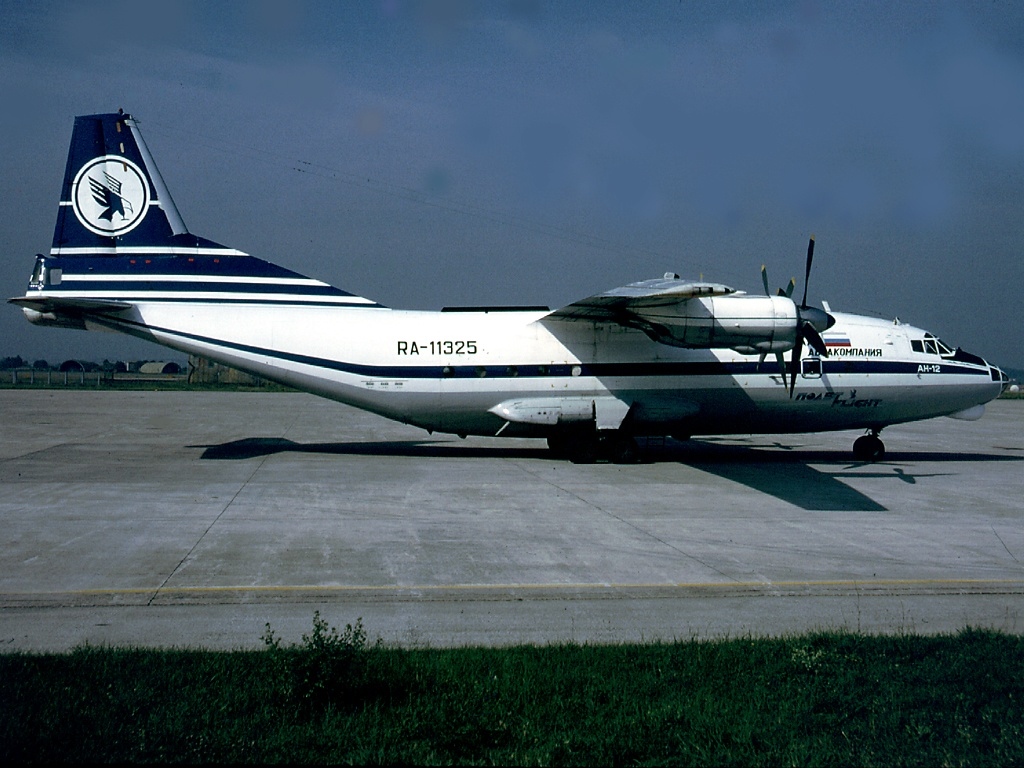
(110, 195)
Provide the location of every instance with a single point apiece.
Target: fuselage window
(811, 367)
(917, 345)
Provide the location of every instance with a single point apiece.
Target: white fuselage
(448, 371)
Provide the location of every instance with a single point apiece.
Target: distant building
(159, 367)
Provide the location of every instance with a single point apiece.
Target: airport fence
(33, 377)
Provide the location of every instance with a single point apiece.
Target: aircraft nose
(998, 374)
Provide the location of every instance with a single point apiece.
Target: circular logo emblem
(110, 195)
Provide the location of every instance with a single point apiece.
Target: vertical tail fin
(113, 194)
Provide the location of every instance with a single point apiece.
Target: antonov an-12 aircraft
(661, 357)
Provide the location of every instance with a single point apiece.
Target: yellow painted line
(563, 587)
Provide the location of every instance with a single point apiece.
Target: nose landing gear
(869, 447)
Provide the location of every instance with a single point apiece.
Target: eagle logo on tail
(108, 196)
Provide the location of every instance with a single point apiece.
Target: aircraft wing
(626, 304)
(695, 315)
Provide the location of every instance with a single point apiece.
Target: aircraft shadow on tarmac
(779, 470)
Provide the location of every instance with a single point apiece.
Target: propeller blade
(781, 360)
(794, 363)
(764, 280)
(807, 270)
(814, 340)
(788, 290)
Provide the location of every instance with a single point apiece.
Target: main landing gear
(869, 447)
(587, 447)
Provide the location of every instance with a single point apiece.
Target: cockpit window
(932, 346)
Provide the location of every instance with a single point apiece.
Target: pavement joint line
(994, 531)
(213, 522)
(759, 585)
(220, 514)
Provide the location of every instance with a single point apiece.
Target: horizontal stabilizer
(56, 304)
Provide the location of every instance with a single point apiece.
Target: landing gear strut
(869, 447)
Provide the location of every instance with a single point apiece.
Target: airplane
(661, 357)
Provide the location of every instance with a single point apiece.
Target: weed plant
(328, 669)
(826, 698)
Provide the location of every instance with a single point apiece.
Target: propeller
(809, 322)
(788, 293)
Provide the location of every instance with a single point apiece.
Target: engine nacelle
(748, 324)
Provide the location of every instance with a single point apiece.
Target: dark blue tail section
(120, 243)
(113, 195)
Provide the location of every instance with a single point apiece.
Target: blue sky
(435, 153)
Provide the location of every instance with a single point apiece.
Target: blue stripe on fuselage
(598, 370)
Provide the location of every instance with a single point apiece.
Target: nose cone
(998, 377)
(998, 374)
(818, 318)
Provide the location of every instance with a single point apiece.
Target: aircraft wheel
(622, 449)
(584, 452)
(579, 446)
(582, 448)
(559, 446)
(868, 448)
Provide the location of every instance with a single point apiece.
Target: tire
(622, 449)
(868, 448)
(584, 450)
(559, 446)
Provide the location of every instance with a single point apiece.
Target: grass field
(829, 698)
